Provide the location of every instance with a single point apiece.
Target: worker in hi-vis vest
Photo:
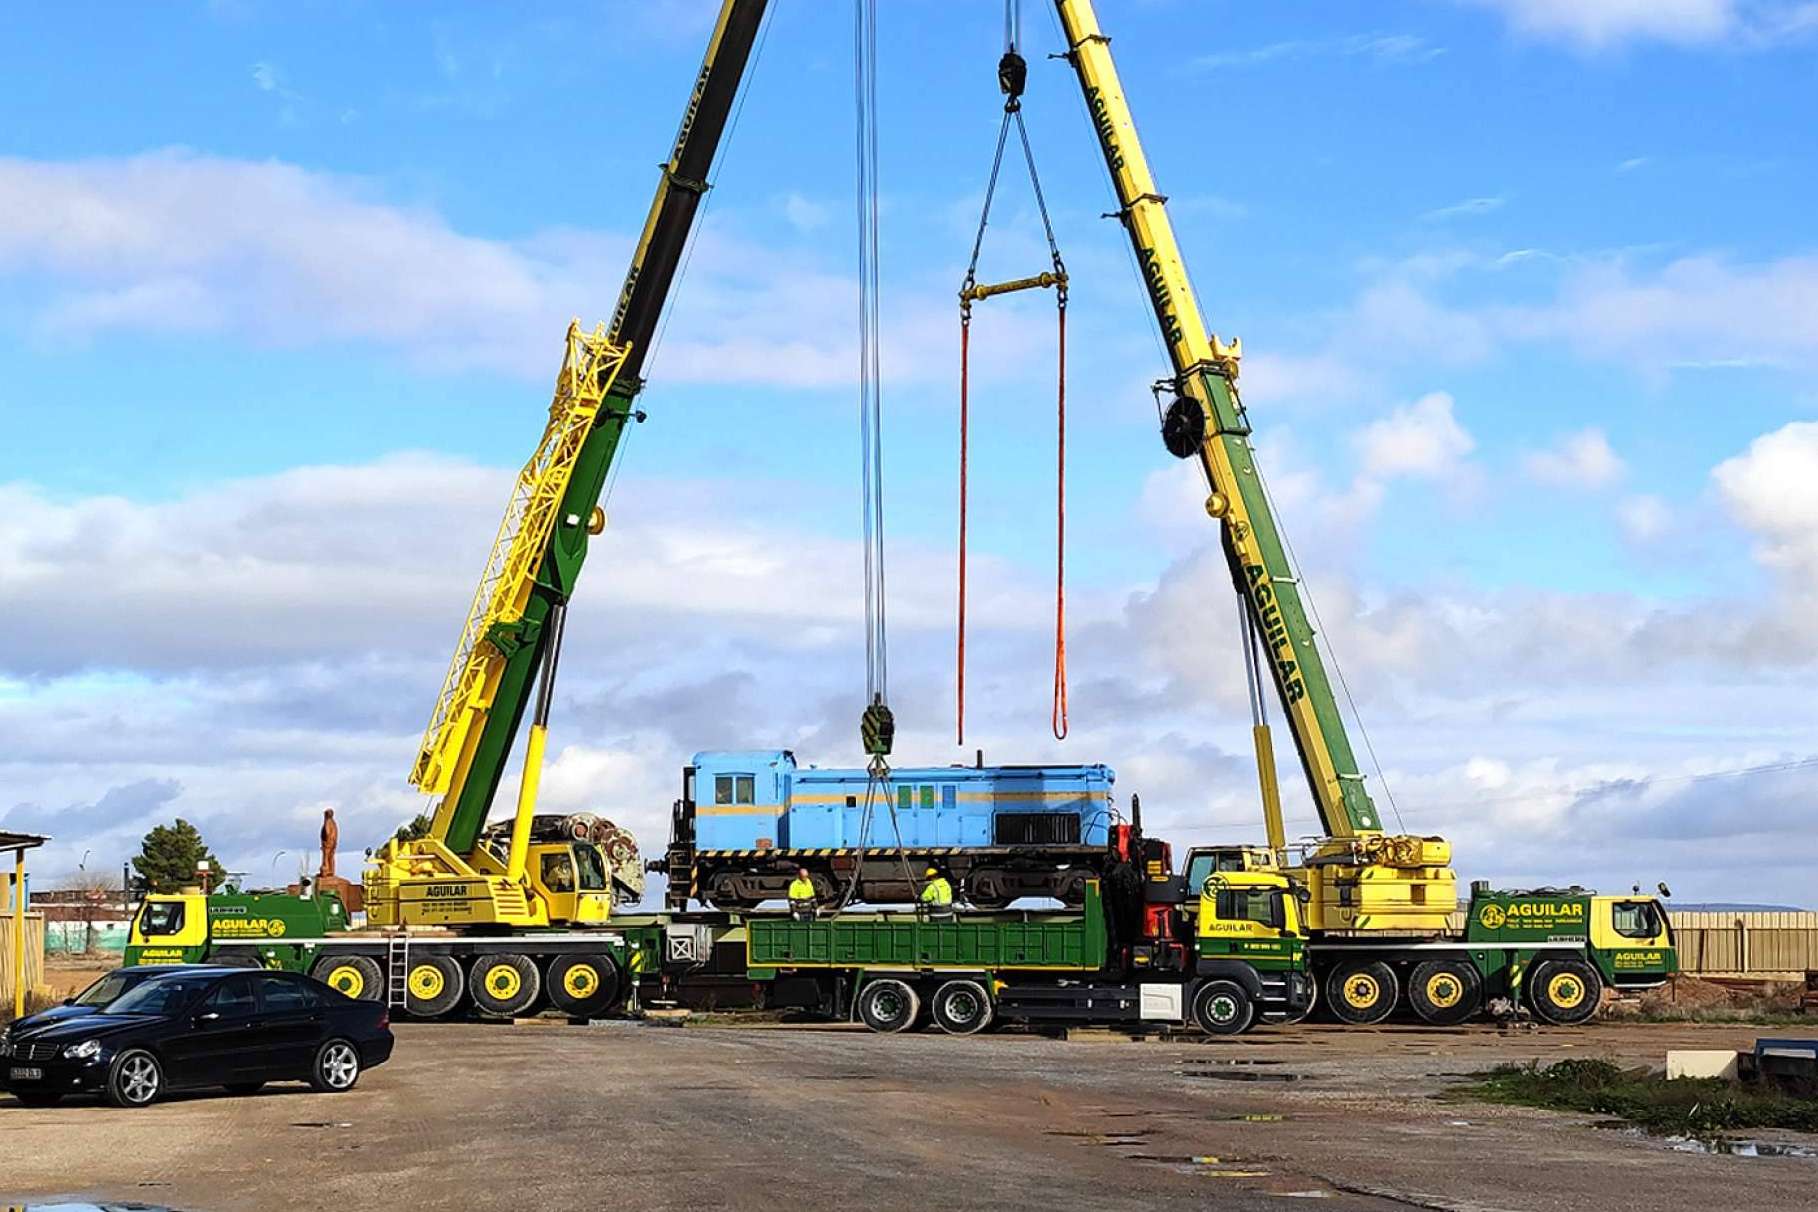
(937, 893)
(801, 894)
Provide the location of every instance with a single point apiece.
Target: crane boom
(1208, 417)
(543, 541)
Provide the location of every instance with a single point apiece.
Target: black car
(98, 996)
(180, 1028)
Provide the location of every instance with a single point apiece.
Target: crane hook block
(877, 729)
(1184, 428)
(1012, 76)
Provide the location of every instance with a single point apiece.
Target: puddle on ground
(1717, 1146)
(838, 1077)
(1104, 1138)
(1213, 1167)
(1235, 1061)
(1241, 1076)
(84, 1206)
(321, 1123)
(1257, 1118)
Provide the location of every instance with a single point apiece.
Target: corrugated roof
(20, 841)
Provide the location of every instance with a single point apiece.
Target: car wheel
(433, 986)
(135, 1080)
(337, 1067)
(504, 984)
(888, 1005)
(961, 1007)
(1223, 1008)
(584, 985)
(243, 1087)
(39, 1098)
(357, 976)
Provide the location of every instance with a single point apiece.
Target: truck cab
(1250, 948)
(178, 927)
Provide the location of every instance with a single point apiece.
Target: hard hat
(931, 871)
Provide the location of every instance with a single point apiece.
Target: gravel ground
(482, 1116)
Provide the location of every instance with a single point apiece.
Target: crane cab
(570, 878)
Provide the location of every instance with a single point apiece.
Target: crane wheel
(888, 1005)
(1564, 992)
(584, 986)
(504, 984)
(356, 976)
(961, 1007)
(433, 986)
(1445, 992)
(1362, 992)
(1223, 1008)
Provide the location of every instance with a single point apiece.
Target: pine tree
(170, 854)
(414, 829)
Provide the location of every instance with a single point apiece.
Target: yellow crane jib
(590, 366)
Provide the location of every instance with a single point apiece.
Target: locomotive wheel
(888, 1006)
(504, 984)
(584, 986)
(1444, 992)
(1362, 992)
(357, 976)
(433, 986)
(961, 1007)
(1564, 992)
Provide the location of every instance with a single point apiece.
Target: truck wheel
(1564, 992)
(357, 976)
(961, 1007)
(1444, 992)
(504, 984)
(433, 986)
(1223, 1008)
(888, 1005)
(584, 986)
(1362, 992)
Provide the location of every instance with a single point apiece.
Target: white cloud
(1466, 209)
(805, 214)
(1600, 24)
(1423, 440)
(1579, 460)
(1644, 518)
(1378, 48)
(1772, 489)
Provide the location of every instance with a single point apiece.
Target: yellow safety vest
(801, 889)
(937, 891)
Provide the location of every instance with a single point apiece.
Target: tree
(170, 854)
(415, 829)
(92, 890)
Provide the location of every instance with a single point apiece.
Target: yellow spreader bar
(589, 368)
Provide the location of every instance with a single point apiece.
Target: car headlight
(86, 1050)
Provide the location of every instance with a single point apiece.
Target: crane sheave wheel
(584, 985)
(1362, 992)
(357, 976)
(1564, 992)
(1444, 992)
(961, 1007)
(433, 986)
(504, 984)
(888, 1005)
(1223, 1008)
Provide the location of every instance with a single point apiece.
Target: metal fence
(1764, 946)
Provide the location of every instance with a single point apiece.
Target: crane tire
(504, 984)
(1362, 992)
(1223, 1008)
(585, 986)
(1444, 992)
(888, 1005)
(433, 985)
(961, 1007)
(356, 976)
(1564, 992)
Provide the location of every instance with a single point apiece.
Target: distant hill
(1730, 907)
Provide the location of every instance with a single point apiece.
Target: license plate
(22, 1073)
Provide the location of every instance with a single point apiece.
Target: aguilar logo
(1530, 913)
(1492, 917)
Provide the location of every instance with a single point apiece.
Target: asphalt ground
(639, 1116)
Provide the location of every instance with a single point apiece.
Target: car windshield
(162, 994)
(104, 990)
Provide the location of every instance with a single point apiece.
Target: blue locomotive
(748, 819)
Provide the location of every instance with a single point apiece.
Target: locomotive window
(905, 798)
(928, 796)
(747, 787)
(722, 788)
(852, 801)
(949, 797)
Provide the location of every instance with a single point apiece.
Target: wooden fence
(34, 958)
(1762, 946)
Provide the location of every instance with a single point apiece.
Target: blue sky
(1527, 288)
